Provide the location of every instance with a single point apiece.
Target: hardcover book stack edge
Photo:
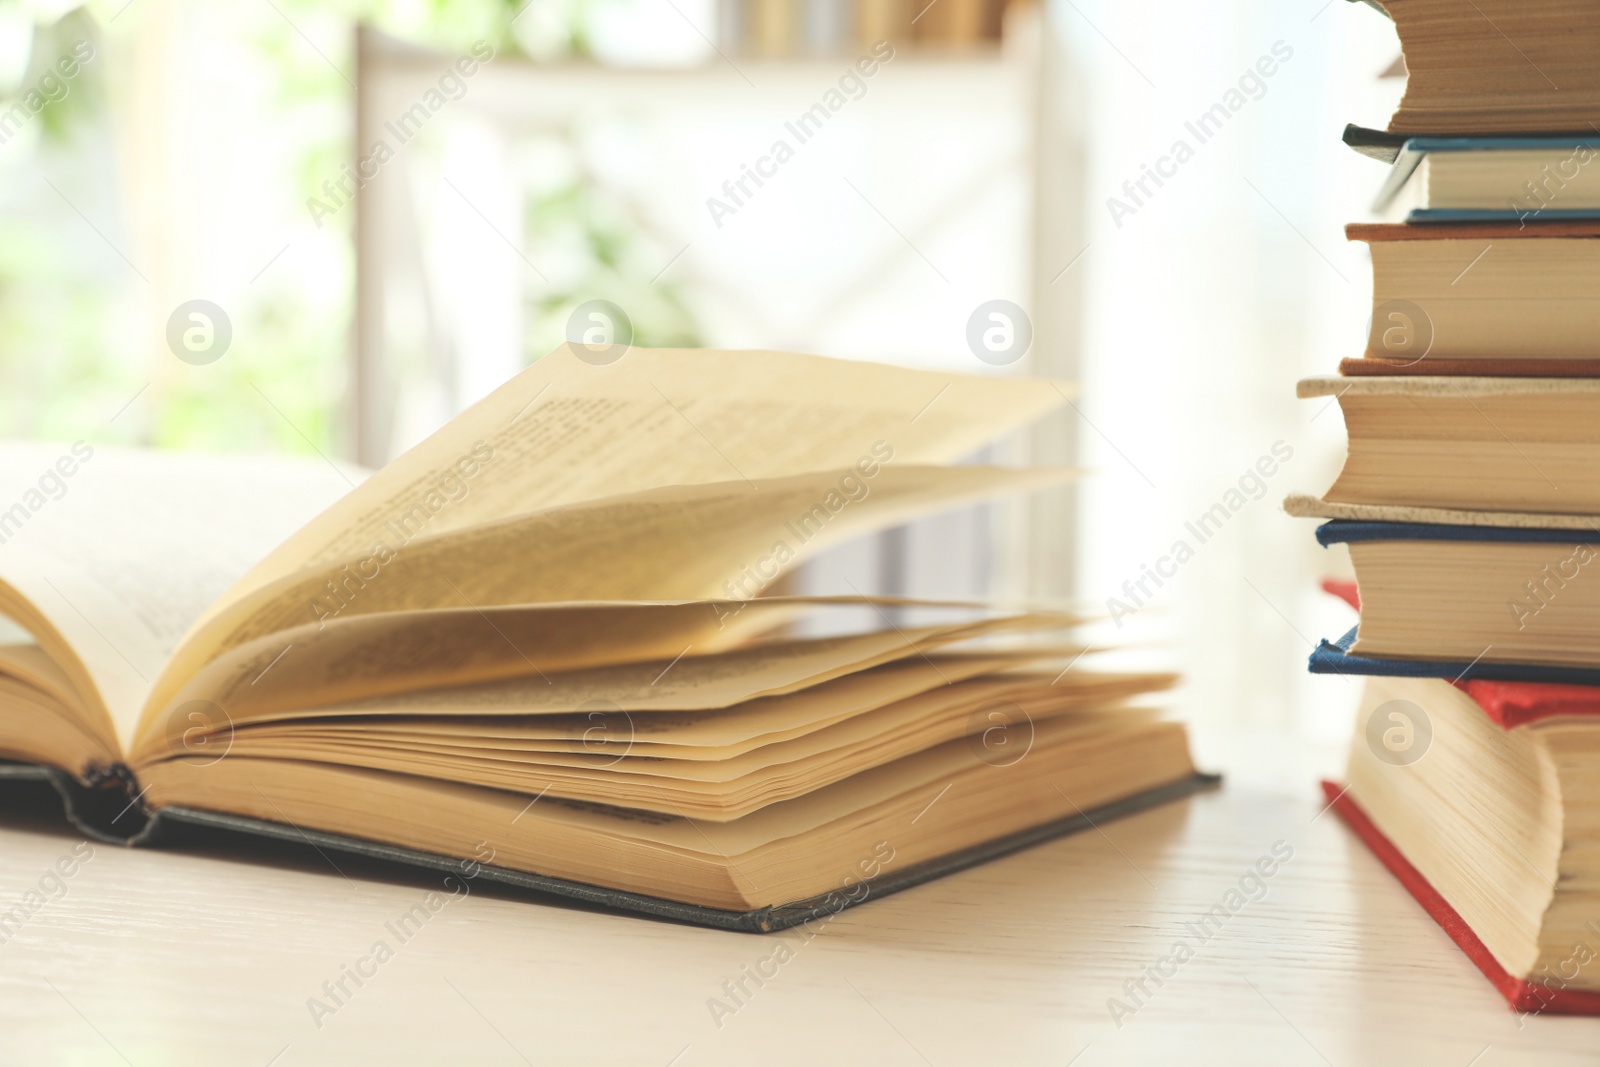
(1469, 502)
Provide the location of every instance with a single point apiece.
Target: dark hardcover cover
(1445, 216)
(1387, 145)
(165, 825)
(1334, 657)
(1520, 993)
(107, 811)
(1375, 144)
(1352, 531)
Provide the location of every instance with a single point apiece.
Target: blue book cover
(1334, 657)
(1411, 154)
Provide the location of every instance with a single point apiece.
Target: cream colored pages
(697, 734)
(403, 652)
(667, 787)
(719, 539)
(30, 664)
(919, 722)
(397, 663)
(691, 682)
(709, 737)
(449, 818)
(53, 734)
(107, 556)
(565, 431)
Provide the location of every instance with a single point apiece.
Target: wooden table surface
(210, 957)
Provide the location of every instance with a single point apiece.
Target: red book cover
(1520, 993)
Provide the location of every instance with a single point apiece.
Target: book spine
(104, 802)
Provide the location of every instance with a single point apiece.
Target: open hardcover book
(536, 647)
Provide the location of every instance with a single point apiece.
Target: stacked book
(1470, 496)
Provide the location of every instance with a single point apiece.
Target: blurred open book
(535, 647)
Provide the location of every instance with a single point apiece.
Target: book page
(565, 431)
(40, 729)
(714, 736)
(362, 656)
(916, 722)
(108, 555)
(30, 664)
(396, 652)
(719, 539)
(685, 682)
(698, 734)
(719, 792)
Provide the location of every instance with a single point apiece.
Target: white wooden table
(206, 958)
